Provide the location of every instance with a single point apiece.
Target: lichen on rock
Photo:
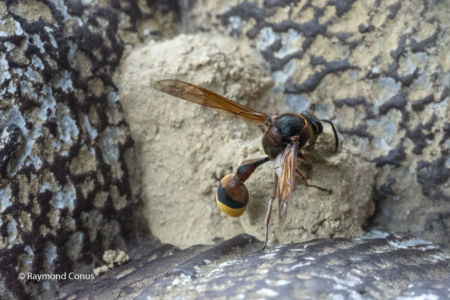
(63, 141)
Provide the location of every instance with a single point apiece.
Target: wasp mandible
(284, 136)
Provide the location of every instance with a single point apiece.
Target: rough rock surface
(379, 69)
(67, 187)
(186, 148)
(375, 266)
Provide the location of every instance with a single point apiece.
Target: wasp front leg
(232, 194)
(262, 127)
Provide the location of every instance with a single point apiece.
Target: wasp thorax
(232, 196)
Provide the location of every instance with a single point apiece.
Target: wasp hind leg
(304, 159)
(303, 177)
(269, 209)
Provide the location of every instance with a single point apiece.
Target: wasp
(284, 136)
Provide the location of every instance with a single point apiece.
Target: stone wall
(70, 185)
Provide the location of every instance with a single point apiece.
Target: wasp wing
(202, 96)
(286, 182)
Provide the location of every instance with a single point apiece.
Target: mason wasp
(284, 136)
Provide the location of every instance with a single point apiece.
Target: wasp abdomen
(232, 196)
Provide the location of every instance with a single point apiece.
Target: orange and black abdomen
(232, 196)
(277, 137)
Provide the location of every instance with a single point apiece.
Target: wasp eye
(232, 196)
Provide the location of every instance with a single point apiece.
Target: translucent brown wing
(286, 182)
(199, 95)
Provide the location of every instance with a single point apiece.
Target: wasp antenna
(336, 139)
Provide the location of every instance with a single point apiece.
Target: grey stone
(375, 266)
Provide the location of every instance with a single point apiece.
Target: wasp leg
(269, 208)
(304, 159)
(299, 173)
(262, 127)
